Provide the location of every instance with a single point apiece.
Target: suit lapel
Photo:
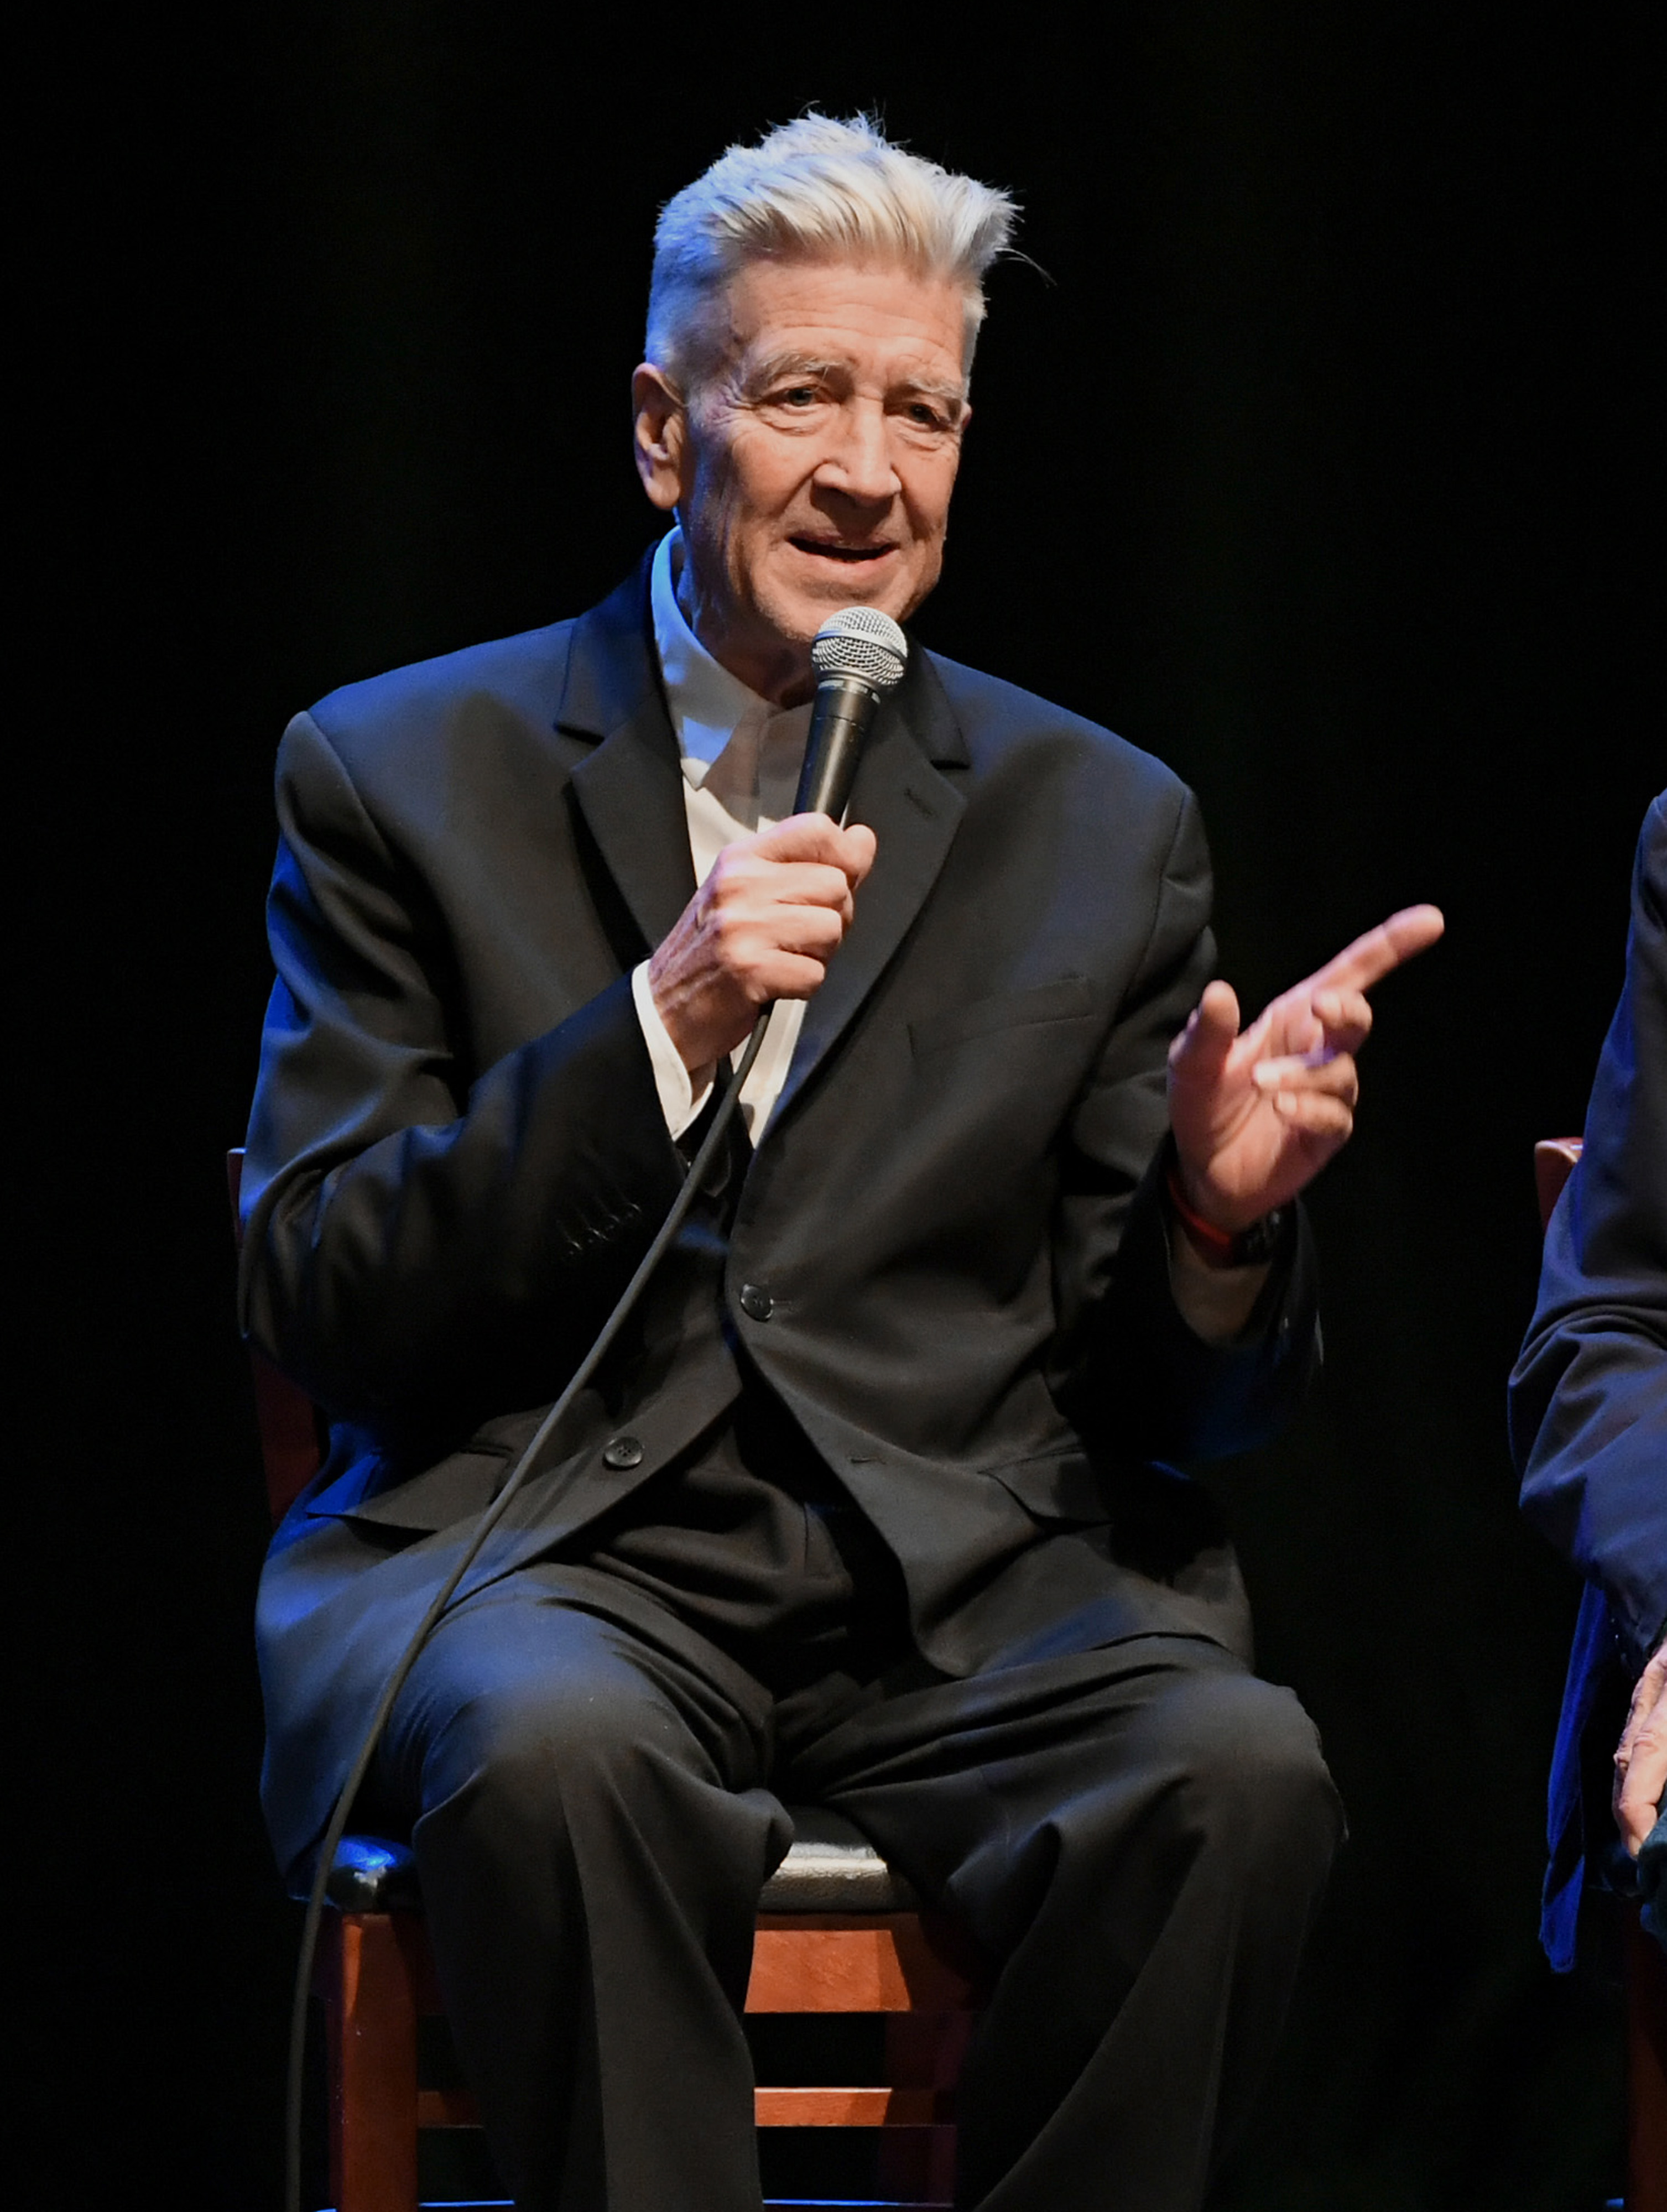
(913, 811)
(630, 790)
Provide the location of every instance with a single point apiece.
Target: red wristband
(1222, 1244)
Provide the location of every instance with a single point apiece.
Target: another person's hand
(1256, 1116)
(763, 925)
(1640, 1760)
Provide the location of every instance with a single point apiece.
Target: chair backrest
(291, 1446)
(1554, 1159)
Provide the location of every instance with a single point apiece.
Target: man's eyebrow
(935, 387)
(779, 368)
(809, 367)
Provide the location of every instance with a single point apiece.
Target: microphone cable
(336, 1827)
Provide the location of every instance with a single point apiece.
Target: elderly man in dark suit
(1589, 1426)
(868, 1508)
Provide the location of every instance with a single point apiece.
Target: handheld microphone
(858, 655)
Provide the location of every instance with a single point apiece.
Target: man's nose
(859, 463)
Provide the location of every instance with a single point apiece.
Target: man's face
(813, 468)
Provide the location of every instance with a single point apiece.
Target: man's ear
(659, 430)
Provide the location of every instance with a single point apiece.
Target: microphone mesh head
(860, 642)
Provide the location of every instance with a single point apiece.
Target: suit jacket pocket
(1069, 997)
(1060, 1486)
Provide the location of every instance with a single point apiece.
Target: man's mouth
(833, 548)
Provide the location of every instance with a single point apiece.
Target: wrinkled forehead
(880, 321)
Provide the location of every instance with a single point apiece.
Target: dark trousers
(1137, 1835)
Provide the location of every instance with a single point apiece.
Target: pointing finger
(1370, 958)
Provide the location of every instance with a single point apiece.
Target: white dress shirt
(741, 758)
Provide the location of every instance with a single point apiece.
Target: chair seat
(833, 1868)
(830, 1868)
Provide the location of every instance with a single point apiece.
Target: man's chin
(800, 610)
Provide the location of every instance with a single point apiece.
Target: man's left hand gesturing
(1256, 1116)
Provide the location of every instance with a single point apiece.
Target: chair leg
(1647, 2070)
(371, 2010)
(917, 2166)
(923, 2050)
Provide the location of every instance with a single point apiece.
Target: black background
(1318, 454)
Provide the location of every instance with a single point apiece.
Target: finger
(1200, 1052)
(1637, 1801)
(801, 837)
(814, 837)
(814, 930)
(787, 975)
(1287, 1067)
(1370, 958)
(800, 883)
(763, 968)
(1314, 1114)
(1287, 1027)
(750, 883)
(1271, 1072)
(1346, 1017)
(1333, 1078)
(1648, 1692)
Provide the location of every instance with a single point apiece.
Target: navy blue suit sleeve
(1589, 1395)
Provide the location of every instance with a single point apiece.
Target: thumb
(1200, 1052)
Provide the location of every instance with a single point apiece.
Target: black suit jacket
(457, 1154)
(1589, 1396)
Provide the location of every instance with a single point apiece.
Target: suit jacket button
(622, 1452)
(757, 1303)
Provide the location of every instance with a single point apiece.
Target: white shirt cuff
(678, 1102)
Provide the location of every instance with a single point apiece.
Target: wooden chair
(838, 1932)
(1555, 1160)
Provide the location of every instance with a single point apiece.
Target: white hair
(818, 189)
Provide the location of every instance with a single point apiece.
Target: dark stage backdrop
(1315, 451)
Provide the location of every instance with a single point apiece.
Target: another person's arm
(1589, 1395)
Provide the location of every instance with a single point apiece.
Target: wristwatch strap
(1243, 1247)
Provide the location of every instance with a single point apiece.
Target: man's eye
(799, 395)
(927, 416)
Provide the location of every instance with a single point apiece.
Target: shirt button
(622, 1452)
(757, 1303)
